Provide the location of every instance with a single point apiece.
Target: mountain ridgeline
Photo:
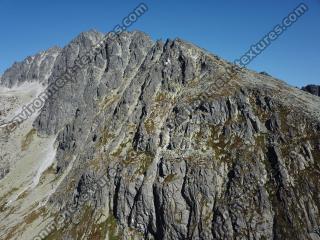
(313, 89)
(180, 157)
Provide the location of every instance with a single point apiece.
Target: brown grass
(28, 139)
(149, 125)
(33, 216)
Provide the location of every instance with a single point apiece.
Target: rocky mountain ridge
(313, 89)
(181, 157)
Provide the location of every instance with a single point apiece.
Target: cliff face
(313, 89)
(36, 68)
(181, 155)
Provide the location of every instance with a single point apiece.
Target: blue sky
(226, 28)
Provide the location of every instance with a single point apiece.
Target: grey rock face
(183, 157)
(265, 73)
(313, 89)
(36, 68)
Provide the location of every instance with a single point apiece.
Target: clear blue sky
(226, 28)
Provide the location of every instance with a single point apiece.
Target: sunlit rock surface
(189, 147)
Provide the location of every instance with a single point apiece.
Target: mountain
(155, 140)
(313, 89)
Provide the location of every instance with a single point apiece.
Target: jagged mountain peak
(187, 145)
(89, 37)
(33, 68)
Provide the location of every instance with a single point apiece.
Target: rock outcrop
(34, 68)
(189, 145)
(313, 89)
